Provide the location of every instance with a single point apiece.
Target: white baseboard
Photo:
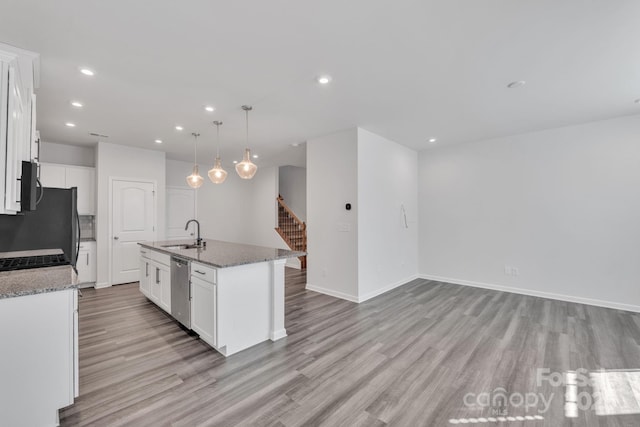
(102, 285)
(364, 298)
(276, 335)
(332, 293)
(534, 293)
(387, 288)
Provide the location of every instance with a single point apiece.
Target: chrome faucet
(198, 240)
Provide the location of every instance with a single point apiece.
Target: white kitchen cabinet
(39, 359)
(204, 310)
(165, 287)
(145, 276)
(155, 278)
(52, 175)
(67, 176)
(18, 69)
(84, 179)
(161, 286)
(87, 262)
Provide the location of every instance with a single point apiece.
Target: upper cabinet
(66, 176)
(18, 80)
(84, 179)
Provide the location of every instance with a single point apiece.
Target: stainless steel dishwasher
(180, 291)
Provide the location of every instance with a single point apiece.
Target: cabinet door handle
(146, 268)
(157, 275)
(87, 258)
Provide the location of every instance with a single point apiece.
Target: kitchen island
(234, 292)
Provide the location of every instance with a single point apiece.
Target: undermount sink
(182, 246)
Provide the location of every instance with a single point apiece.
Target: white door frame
(110, 216)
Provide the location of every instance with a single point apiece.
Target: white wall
(67, 154)
(387, 246)
(177, 172)
(120, 161)
(264, 214)
(561, 206)
(293, 189)
(242, 211)
(332, 265)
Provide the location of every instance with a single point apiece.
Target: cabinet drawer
(156, 256)
(203, 272)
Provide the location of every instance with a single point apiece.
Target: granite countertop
(222, 254)
(32, 281)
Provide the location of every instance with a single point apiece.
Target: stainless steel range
(34, 261)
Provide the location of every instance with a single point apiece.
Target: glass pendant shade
(217, 175)
(246, 168)
(195, 180)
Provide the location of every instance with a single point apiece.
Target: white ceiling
(407, 70)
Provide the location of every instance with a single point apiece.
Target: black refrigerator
(54, 224)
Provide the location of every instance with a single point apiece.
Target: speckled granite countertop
(222, 254)
(18, 283)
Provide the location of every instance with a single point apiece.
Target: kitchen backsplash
(87, 227)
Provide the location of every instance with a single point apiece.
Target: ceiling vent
(98, 135)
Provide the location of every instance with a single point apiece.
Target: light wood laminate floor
(406, 358)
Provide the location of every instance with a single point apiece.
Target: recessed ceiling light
(235, 162)
(255, 156)
(324, 80)
(77, 104)
(209, 108)
(295, 144)
(432, 140)
(518, 83)
(158, 141)
(179, 127)
(70, 125)
(87, 71)
(637, 101)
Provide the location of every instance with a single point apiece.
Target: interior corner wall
(387, 214)
(332, 261)
(293, 189)
(67, 154)
(121, 161)
(551, 213)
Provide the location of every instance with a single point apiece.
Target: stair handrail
(290, 212)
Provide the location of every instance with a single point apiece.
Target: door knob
(116, 238)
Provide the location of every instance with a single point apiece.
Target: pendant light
(246, 168)
(217, 175)
(195, 180)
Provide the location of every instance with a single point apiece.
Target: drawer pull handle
(199, 272)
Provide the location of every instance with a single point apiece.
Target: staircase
(292, 230)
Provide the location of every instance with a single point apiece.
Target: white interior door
(132, 221)
(180, 209)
